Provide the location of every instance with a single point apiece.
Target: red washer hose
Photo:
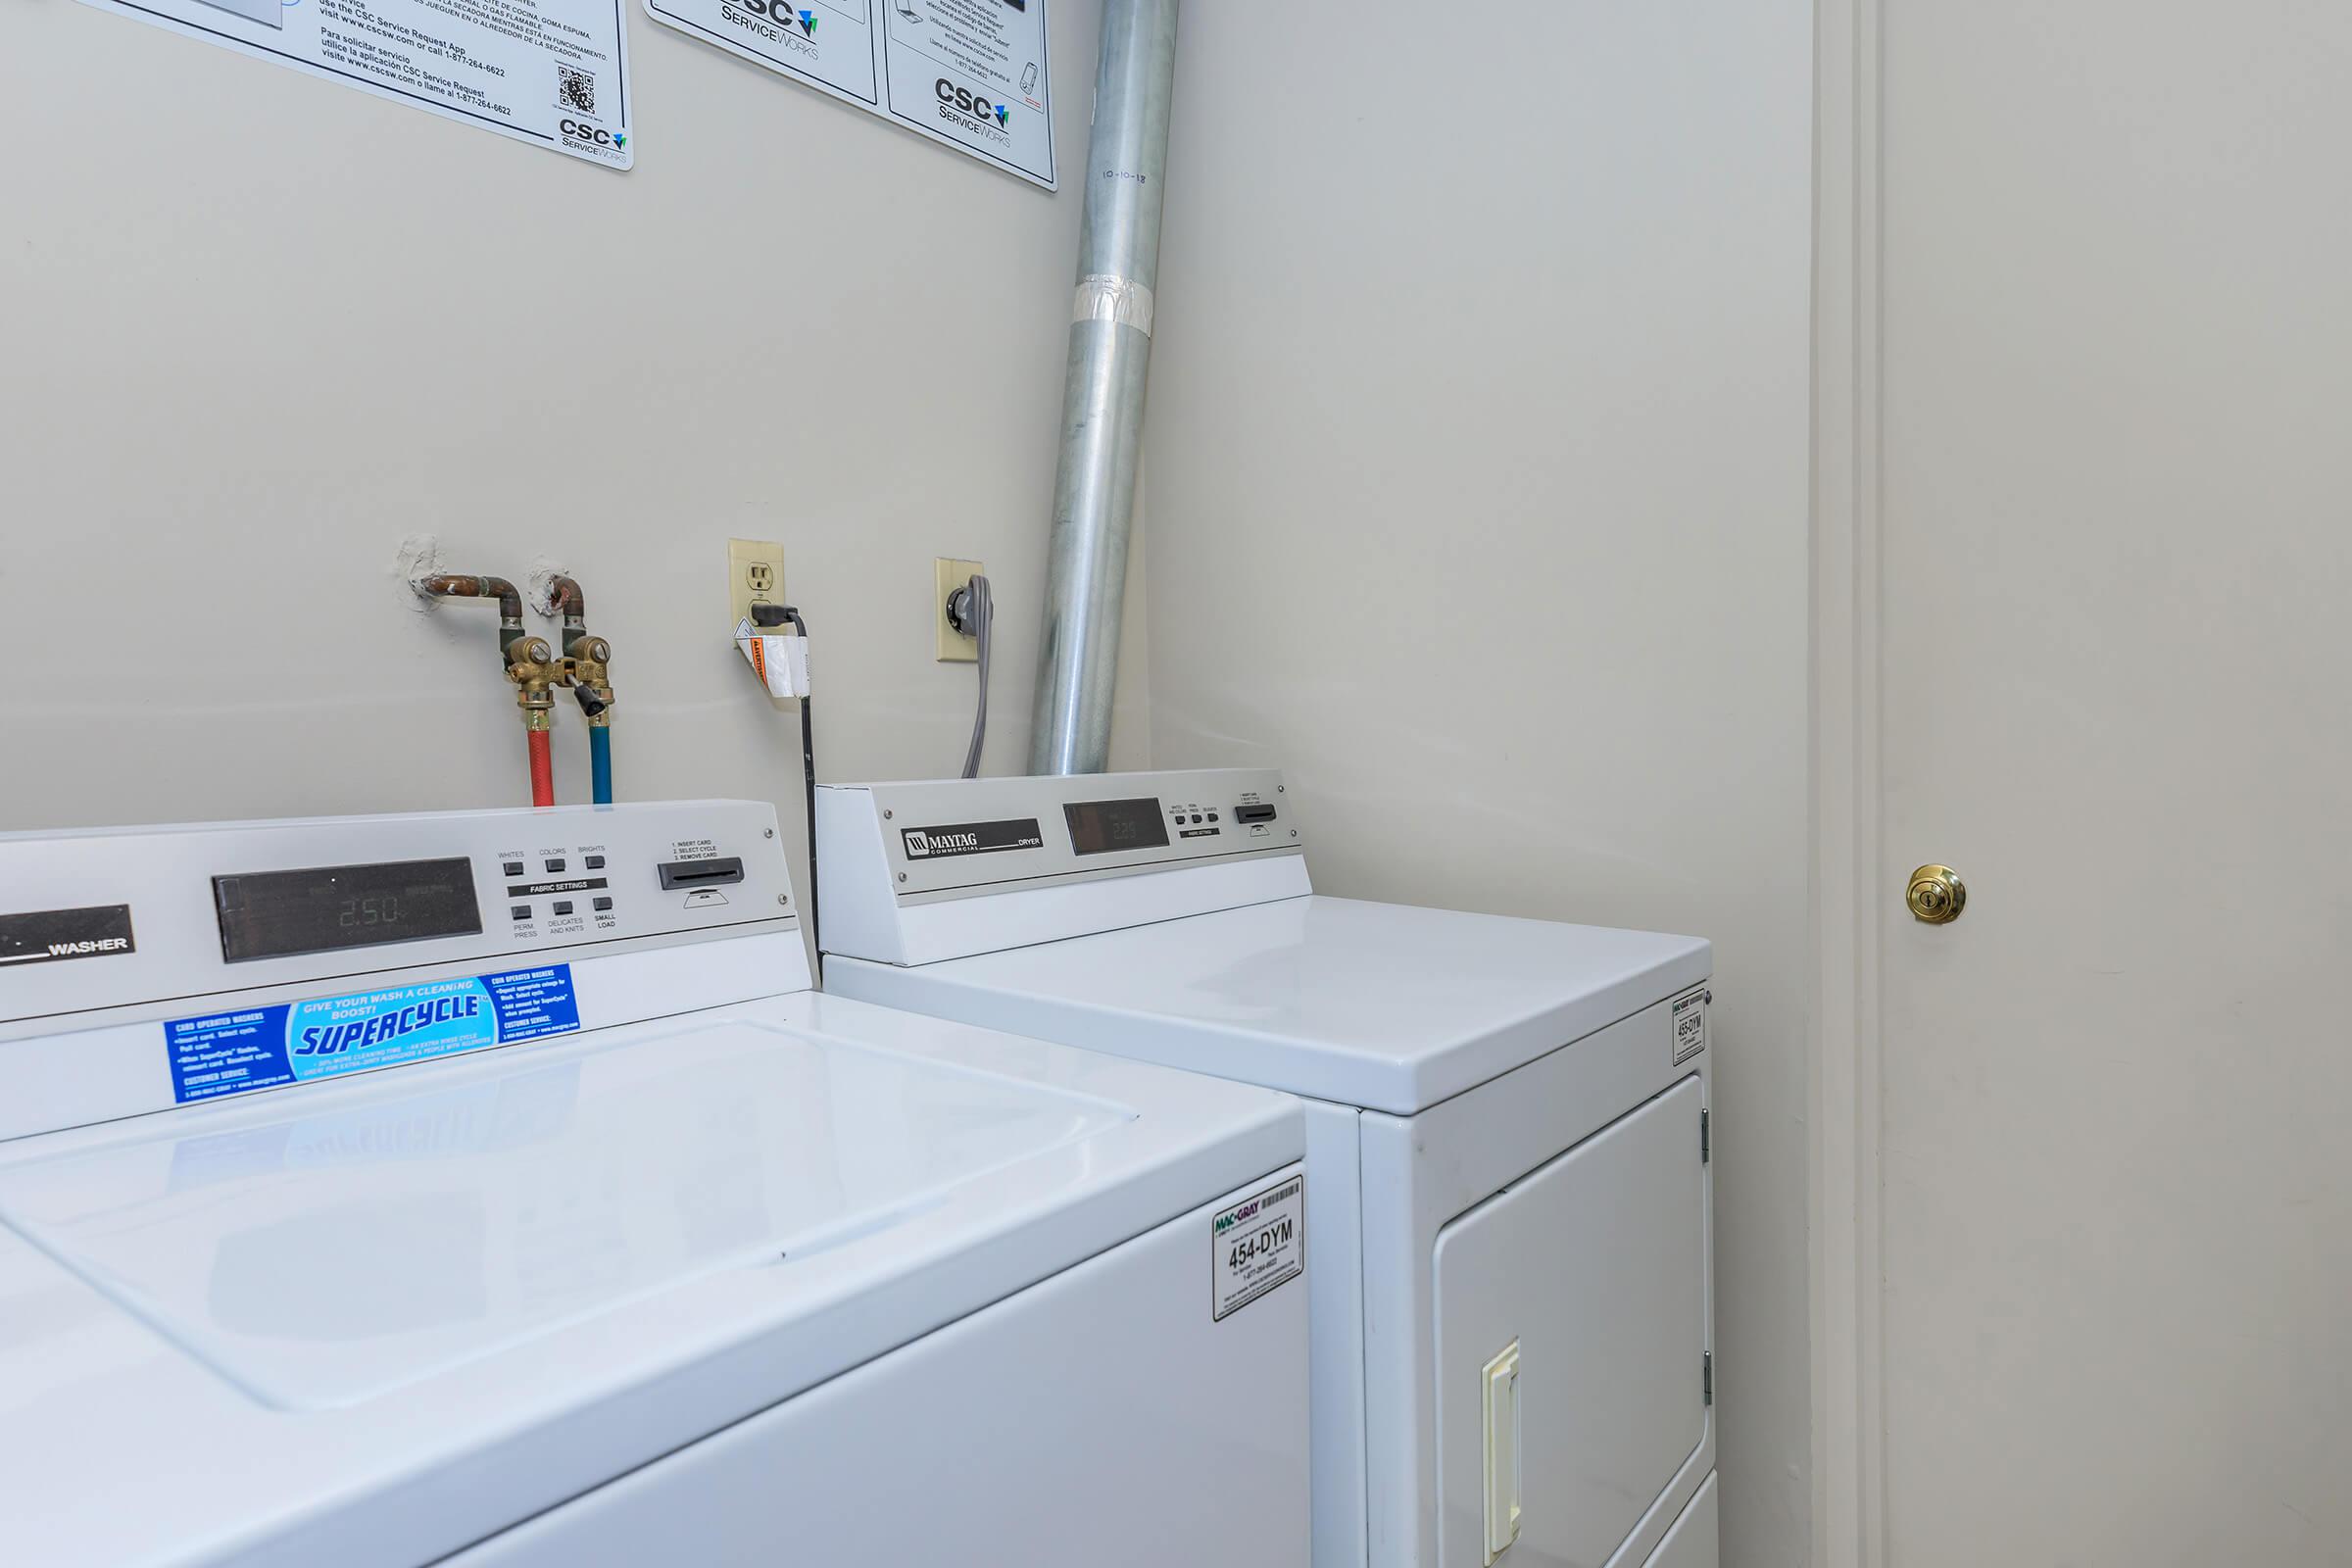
(543, 770)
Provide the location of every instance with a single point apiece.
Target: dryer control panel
(104, 920)
(914, 873)
(960, 834)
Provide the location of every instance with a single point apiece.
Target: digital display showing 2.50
(1101, 827)
(278, 915)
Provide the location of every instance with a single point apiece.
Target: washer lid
(1385, 1005)
(319, 1249)
(559, 1261)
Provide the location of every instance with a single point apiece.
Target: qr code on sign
(577, 89)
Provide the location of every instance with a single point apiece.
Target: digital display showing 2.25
(1101, 827)
(278, 915)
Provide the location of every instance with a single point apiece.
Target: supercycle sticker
(325, 1037)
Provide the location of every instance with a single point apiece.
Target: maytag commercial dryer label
(950, 839)
(553, 72)
(973, 74)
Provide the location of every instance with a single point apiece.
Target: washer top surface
(317, 1253)
(1383, 1006)
(373, 1320)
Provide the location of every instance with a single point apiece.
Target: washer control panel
(106, 918)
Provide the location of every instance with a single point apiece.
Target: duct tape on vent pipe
(1103, 298)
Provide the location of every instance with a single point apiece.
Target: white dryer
(492, 1190)
(1507, 1136)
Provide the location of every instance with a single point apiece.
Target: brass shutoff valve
(587, 670)
(532, 665)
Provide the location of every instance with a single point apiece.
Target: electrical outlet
(755, 577)
(949, 646)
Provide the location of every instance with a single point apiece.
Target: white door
(2116, 697)
(1571, 1333)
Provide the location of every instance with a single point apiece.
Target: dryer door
(1571, 1325)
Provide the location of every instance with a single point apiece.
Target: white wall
(259, 327)
(1477, 469)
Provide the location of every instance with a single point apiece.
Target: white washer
(491, 1189)
(1507, 1136)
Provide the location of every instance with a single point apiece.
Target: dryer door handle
(1499, 1399)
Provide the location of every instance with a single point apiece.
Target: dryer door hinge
(1706, 1377)
(1706, 1144)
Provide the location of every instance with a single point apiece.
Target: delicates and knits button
(563, 905)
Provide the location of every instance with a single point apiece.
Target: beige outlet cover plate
(755, 577)
(949, 646)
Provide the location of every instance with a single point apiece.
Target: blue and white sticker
(325, 1036)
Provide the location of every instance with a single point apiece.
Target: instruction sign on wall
(971, 73)
(555, 73)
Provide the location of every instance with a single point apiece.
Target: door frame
(1845, 1172)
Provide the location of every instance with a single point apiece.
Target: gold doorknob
(1937, 894)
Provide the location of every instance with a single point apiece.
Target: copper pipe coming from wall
(451, 585)
(564, 598)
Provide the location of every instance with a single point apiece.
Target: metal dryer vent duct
(1102, 398)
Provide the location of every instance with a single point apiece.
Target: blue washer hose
(599, 765)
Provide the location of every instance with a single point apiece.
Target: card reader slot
(677, 874)
(1261, 812)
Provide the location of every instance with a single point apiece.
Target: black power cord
(776, 616)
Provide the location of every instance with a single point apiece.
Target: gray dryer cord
(973, 609)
